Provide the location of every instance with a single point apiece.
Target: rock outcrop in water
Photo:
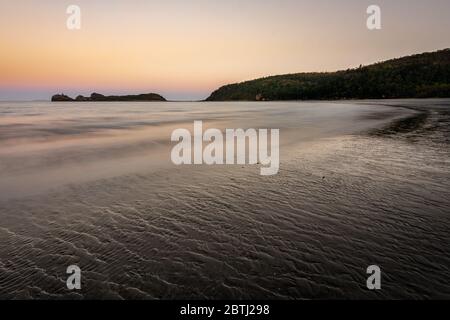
(61, 97)
(425, 75)
(99, 97)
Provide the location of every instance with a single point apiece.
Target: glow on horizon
(186, 49)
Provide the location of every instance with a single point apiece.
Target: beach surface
(92, 184)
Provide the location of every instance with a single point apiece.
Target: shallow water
(92, 184)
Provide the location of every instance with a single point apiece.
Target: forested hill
(419, 76)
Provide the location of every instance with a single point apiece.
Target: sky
(185, 49)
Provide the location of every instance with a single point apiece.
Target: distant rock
(61, 97)
(99, 97)
(81, 98)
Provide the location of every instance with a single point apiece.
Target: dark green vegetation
(99, 97)
(424, 75)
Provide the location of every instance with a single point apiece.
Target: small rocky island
(99, 97)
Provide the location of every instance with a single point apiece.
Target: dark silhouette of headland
(99, 97)
(425, 75)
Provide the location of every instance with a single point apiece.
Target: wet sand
(360, 183)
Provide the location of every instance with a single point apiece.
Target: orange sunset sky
(186, 49)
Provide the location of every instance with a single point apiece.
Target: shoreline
(266, 101)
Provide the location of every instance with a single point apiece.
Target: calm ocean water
(92, 184)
